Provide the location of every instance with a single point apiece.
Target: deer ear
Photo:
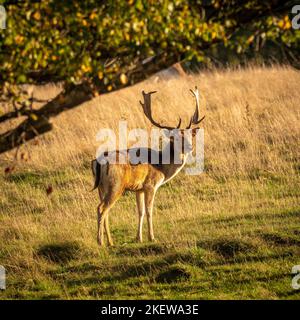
(194, 131)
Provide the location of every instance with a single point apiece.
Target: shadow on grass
(167, 267)
(113, 274)
(274, 277)
(143, 250)
(168, 256)
(155, 271)
(148, 268)
(250, 216)
(227, 248)
(281, 239)
(59, 252)
(252, 259)
(290, 294)
(173, 273)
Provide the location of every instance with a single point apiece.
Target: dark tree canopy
(93, 47)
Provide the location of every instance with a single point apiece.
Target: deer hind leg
(140, 202)
(149, 200)
(103, 210)
(107, 231)
(101, 216)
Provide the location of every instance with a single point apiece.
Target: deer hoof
(138, 240)
(100, 243)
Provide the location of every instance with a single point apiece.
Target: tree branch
(71, 98)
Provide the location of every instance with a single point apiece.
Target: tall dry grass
(252, 119)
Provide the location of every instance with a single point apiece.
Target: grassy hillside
(229, 233)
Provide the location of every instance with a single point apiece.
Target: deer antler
(195, 118)
(147, 111)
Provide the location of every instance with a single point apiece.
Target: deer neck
(170, 170)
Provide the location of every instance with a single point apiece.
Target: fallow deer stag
(112, 179)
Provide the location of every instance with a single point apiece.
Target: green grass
(232, 238)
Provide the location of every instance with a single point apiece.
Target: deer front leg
(149, 200)
(140, 203)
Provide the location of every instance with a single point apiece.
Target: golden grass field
(230, 233)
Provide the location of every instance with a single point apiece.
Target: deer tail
(96, 168)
